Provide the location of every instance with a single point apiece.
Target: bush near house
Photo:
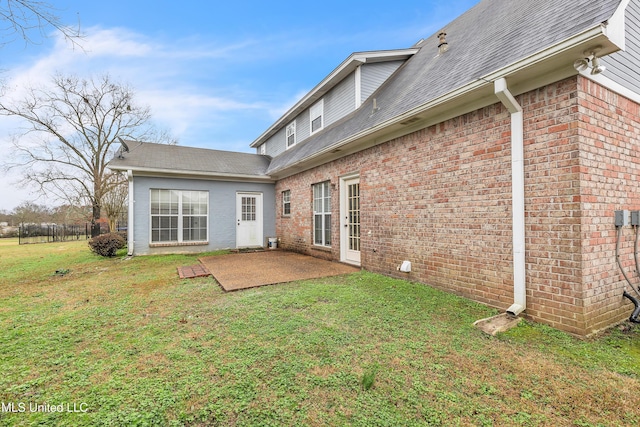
(107, 245)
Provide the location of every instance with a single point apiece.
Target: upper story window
(316, 113)
(291, 134)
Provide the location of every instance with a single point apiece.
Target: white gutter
(130, 215)
(218, 176)
(517, 195)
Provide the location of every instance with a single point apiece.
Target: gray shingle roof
(489, 37)
(492, 35)
(146, 156)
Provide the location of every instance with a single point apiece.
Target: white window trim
(288, 192)
(358, 84)
(291, 125)
(314, 108)
(263, 148)
(180, 241)
(324, 214)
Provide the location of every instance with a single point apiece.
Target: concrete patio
(248, 270)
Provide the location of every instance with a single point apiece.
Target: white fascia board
(215, 176)
(615, 26)
(563, 49)
(336, 76)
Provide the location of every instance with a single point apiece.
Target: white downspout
(130, 215)
(517, 194)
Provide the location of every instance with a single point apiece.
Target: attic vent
(443, 46)
(411, 120)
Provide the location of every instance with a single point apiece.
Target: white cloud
(206, 93)
(163, 75)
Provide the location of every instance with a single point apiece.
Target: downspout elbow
(515, 310)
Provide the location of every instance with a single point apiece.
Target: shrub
(107, 244)
(122, 234)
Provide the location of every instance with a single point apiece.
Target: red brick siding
(609, 127)
(441, 198)
(552, 211)
(296, 230)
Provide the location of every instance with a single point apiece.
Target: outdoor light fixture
(591, 61)
(597, 68)
(581, 64)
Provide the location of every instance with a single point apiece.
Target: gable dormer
(340, 93)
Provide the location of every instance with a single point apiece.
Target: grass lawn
(125, 342)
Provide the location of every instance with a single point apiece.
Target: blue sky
(215, 74)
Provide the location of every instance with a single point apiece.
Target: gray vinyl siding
(276, 144)
(373, 75)
(624, 67)
(303, 126)
(222, 211)
(340, 101)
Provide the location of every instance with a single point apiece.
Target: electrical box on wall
(635, 218)
(622, 218)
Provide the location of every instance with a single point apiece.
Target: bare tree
(31, 213)
(71, 214)
(115, 200)
(22, 18)
(70, 129)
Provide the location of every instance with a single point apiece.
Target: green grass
(134, 345)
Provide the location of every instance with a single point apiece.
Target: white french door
(350, 220)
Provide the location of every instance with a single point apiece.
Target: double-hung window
(286, 203)
(291, 134)
(322, 214)
(316, 113)
(179, 216)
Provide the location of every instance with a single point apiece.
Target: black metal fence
(33, 233)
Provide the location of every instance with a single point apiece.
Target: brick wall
(552, 208)
(441, 198)
(609, 127)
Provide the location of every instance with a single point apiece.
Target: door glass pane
(249, 208)
(353, 216)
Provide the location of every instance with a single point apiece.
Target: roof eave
(543, 67)
(176, 173)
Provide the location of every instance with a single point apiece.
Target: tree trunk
(95, 220)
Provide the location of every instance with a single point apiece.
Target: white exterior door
(350, 220)
(249, 220)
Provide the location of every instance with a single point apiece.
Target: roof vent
(375, 108)
(443, 46)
